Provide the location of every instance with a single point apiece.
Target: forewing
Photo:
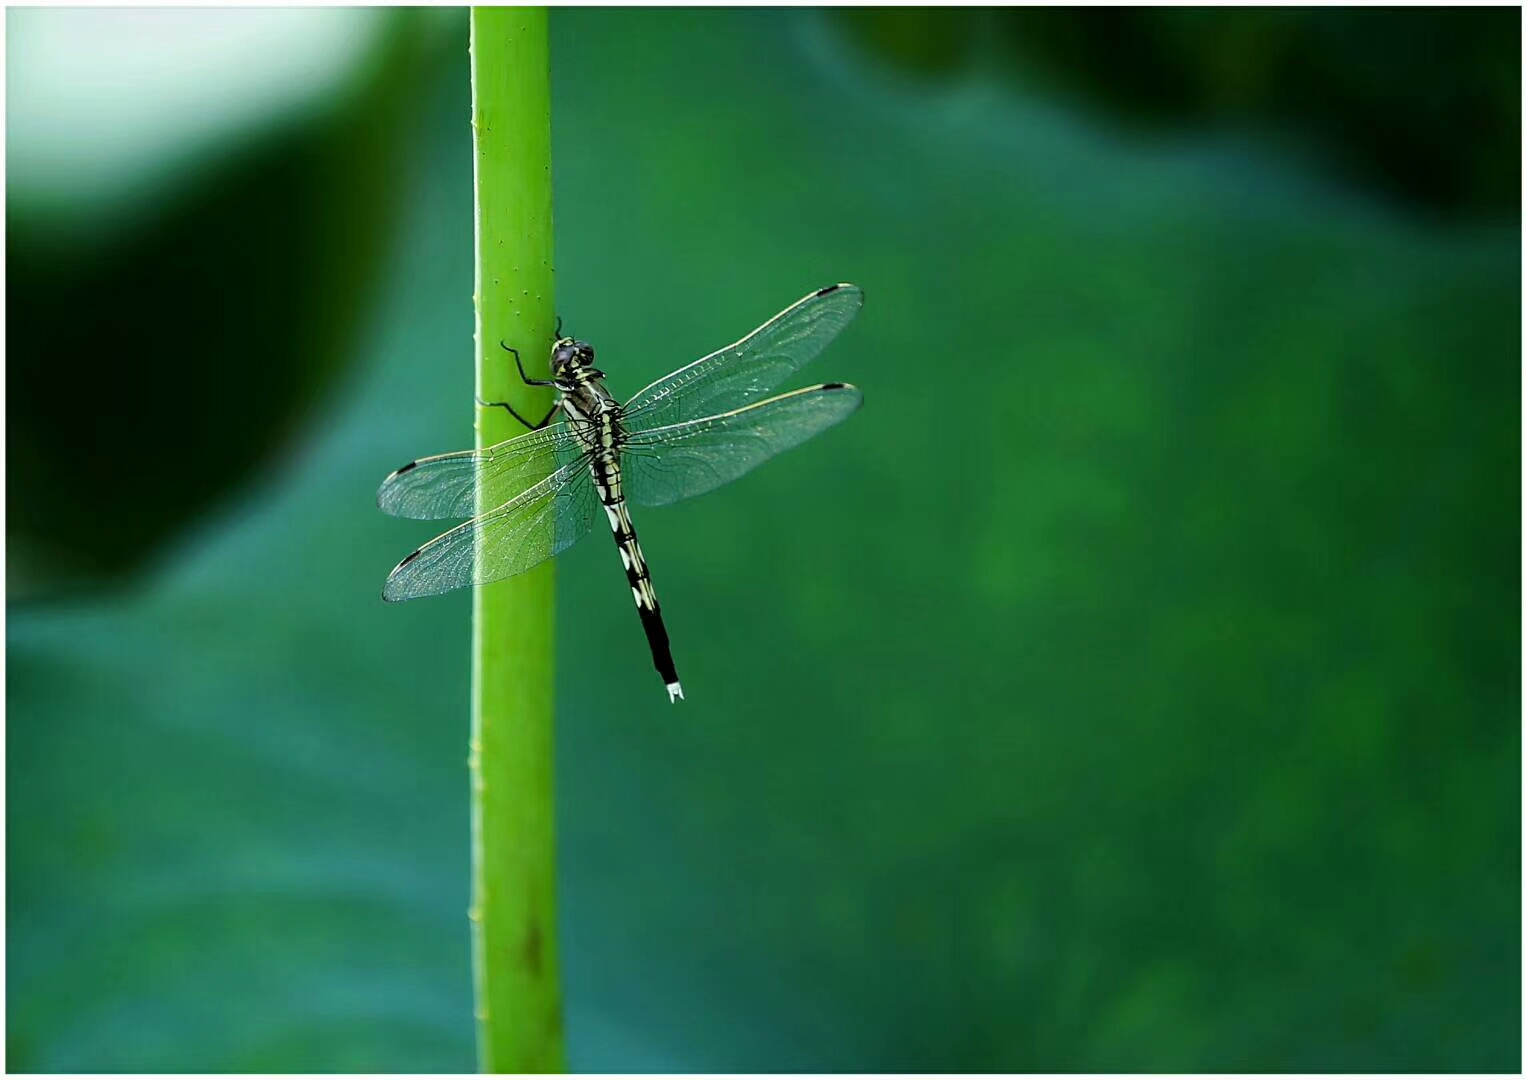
(546, 518)
(741, 373)
(667, 464)
(446, 485)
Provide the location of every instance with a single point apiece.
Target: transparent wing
(539, 522)
(667, 464)
(743, 372)
(446, 485)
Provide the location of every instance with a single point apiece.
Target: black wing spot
(408, 560)
(834, 386)
(828, 289)
(405, 468)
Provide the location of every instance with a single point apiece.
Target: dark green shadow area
(1132, 685)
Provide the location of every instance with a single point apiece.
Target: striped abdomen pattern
(592, 409)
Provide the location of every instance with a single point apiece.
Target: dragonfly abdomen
(640, 579)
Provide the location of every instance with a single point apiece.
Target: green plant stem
(514, 959)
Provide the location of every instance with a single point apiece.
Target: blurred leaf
(107, 108)
(1420, 104)
(200, 329)
(1132, 685)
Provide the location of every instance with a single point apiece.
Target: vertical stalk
(514, 960)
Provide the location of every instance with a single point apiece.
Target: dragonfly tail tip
(675, 692)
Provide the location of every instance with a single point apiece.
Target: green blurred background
(1132, 685)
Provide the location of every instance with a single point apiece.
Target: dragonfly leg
(519, 364)
(516, 416)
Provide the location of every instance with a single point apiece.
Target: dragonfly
(533, 496)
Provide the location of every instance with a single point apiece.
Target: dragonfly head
(568, 356)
